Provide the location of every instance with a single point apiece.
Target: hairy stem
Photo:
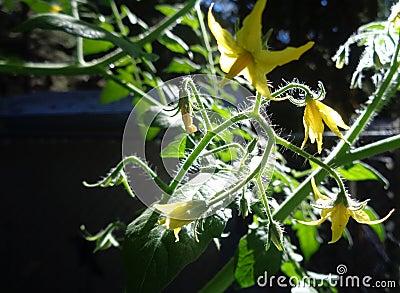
(313, 159)
(203, 111)
(200, 147)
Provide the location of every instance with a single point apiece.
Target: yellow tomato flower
(180, 214)
(316, 112)
(245, 55)
(54, 8)
(339, 214)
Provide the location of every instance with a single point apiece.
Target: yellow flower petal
(313, 125)
(226, 62)
(332, 119)
(188, 123)
(316, 222)
(173, 224)
(223, 37)
(257, 78)
(362, 217)
(339, 218)
(54, 8)
(176, 233)
(186, 210)
(249, 36)
(269, 60)
(240, 63)
(317, 194)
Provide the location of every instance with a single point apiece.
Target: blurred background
(58, 131)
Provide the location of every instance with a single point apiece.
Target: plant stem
(117, 17)
(257, 171)
(131, 159)
(257, 104)
(203, 111)
(224, 147)
(205, 38)
(313, 159)
(222, 280)
(263, 197)
(200, 147)
(369, 150)
(79, 40)
(225, 277)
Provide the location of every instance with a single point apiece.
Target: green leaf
(115, 177)
(98, 46)
(105, 238)
(155, 116)
(95, 46)
(144, 119)
(359, 171)
(199, 49)
(9, 4)
(188, 19)
(82, 29)
(112, 92)
(182, 65)
(153, 258)
(290, 270)
(307, 235)
(175, 43)
(175, 149)
(39, 6)
(253, 260)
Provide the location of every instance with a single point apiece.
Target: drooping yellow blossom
(316, 112)
(180, 214)
(187, 118)
(339, 214)
(54, 8)
(245, 55)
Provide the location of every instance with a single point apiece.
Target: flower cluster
(339, 210)
(180, 214)
(245, 54)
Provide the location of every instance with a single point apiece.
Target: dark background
(54, 135)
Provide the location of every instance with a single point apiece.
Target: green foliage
(307, 235)
(182, 65)
(39, 6)
(105, 238)
(361, 171)
(253, 258)
(91, 46)
(82, 29)
(153, 258)
(175, 149)
(378, 228)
